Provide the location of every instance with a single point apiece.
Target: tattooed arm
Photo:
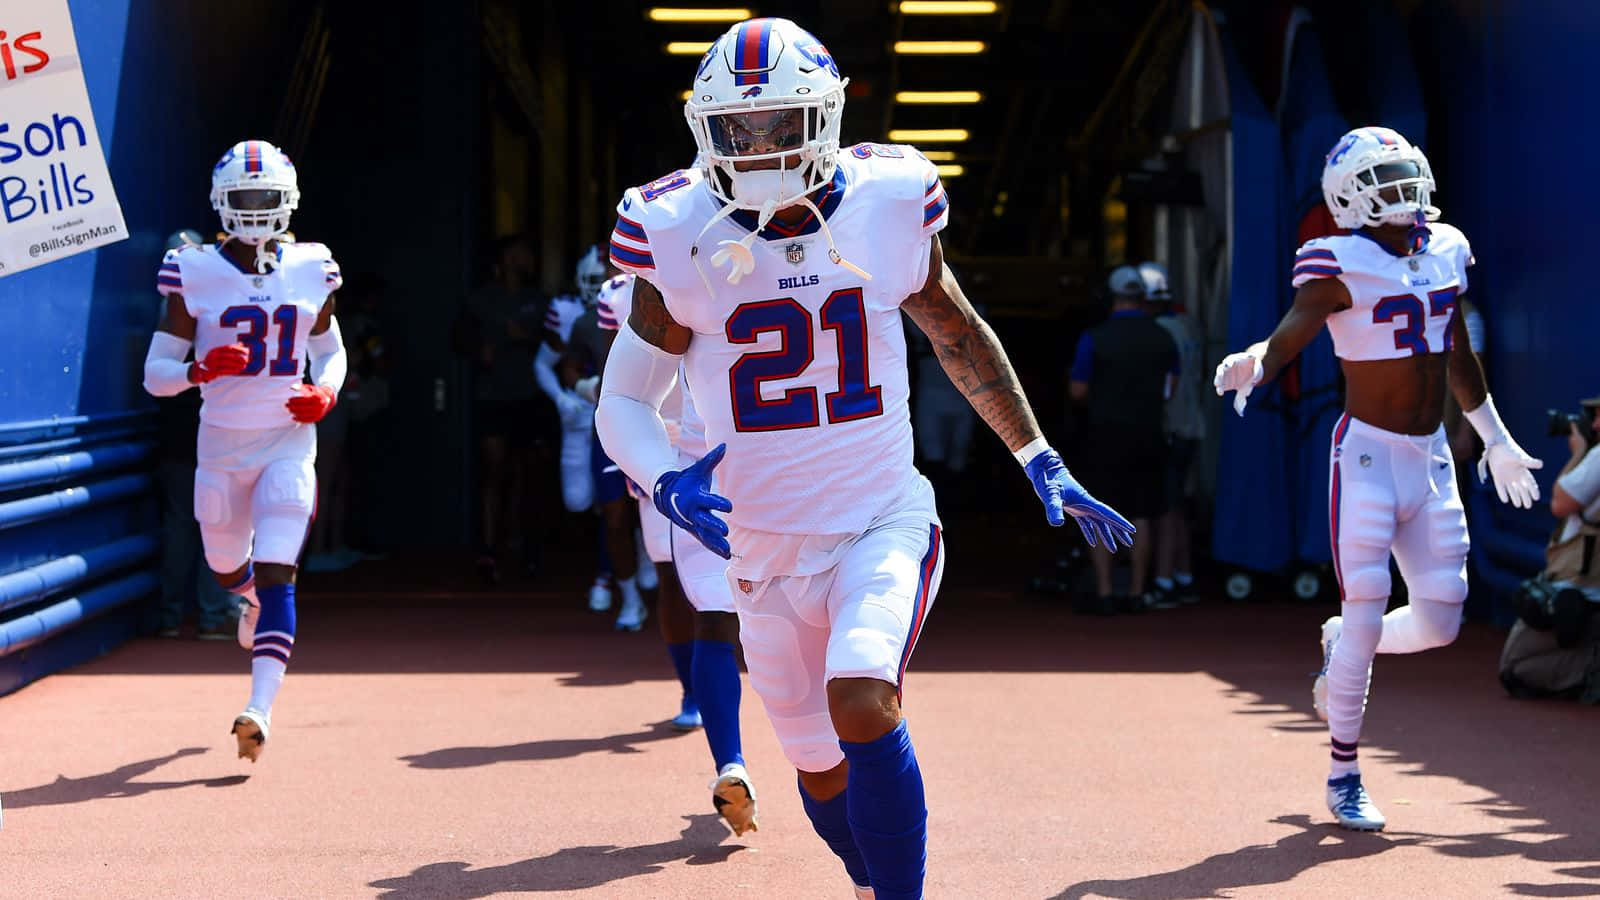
(971, 354)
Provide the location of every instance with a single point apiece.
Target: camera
(1558, 423)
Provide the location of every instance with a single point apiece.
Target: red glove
(227, 360)
(310, 402)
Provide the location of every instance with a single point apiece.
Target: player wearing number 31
(256, 307)
(1387, 292)
(776, 271)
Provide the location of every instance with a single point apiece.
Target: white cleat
(249, 612)
(1350, 805)
(735, 800)
(250, 730)
(1319, 688)
(633, 614)
(599, 597)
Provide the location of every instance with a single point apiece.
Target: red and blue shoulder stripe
(934, 201)
(1318, 262)
(630, 246)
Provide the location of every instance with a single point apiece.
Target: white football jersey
(271, 315)
(800, 368)
(562, 314)
(1403, 305)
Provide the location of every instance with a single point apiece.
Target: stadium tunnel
(1163, 129)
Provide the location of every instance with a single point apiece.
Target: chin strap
(741, 260)
(1417, 238)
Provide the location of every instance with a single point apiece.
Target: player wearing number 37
(1387, 292)
(256, 308)
(777, 271)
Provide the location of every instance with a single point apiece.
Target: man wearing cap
(1123, 371)
(1185, 428)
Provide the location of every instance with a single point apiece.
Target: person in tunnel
(775, 273)
(1388, 293)
(257, 310)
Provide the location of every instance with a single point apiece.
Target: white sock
(1340, 769)
(266, 676)
(1349, 675)
(1420, 625)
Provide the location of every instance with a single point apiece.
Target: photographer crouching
(1554, 647)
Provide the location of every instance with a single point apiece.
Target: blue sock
(716, 691)
(274, 642)
(682, 659)
(888, 815)
(833, 827)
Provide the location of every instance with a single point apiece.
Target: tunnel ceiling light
(686, 94)
(951, 170)
(938, 97)
(676, 14)
(940, 155)
(928, 135)
(688, 48)
(939, 48)
(948, 7)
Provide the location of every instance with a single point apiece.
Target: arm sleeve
(165, 372)
(329, 364)
(1313, 262)
(637, 379)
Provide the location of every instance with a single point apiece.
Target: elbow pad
(165, 372)
(329, 364)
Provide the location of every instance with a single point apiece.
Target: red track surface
(436, 746)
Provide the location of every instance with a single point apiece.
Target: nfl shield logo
(1415, 265)
(257, 281)
(746, 586)
(795, 254)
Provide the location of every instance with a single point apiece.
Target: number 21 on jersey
(253, 335)
(845, 314)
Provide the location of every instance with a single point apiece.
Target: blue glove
(1063, 496)
(685, 498)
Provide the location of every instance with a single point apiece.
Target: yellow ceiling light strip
(939, 48)
(688, 48)
(938, 97)
(951, 171)
(940, 155)
(675, 14)
(948, 7)
(928, 135)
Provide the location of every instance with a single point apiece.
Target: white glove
(1238, 372)
(1512, 469)
(588, 388)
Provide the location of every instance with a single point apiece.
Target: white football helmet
(254, 189)
(767, 90)
(591, 275)
(1374, 177)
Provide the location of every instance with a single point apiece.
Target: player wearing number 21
(1387, 293)
(776, 271)
(256, 307)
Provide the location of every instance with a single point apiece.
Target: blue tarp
(1253, 526)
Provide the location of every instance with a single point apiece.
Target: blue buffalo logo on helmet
(818, 55)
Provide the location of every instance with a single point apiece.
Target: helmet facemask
(255, 214)
(759, 155)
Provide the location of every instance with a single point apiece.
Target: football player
(776, 272)
(1387, 293)
(256, 308)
